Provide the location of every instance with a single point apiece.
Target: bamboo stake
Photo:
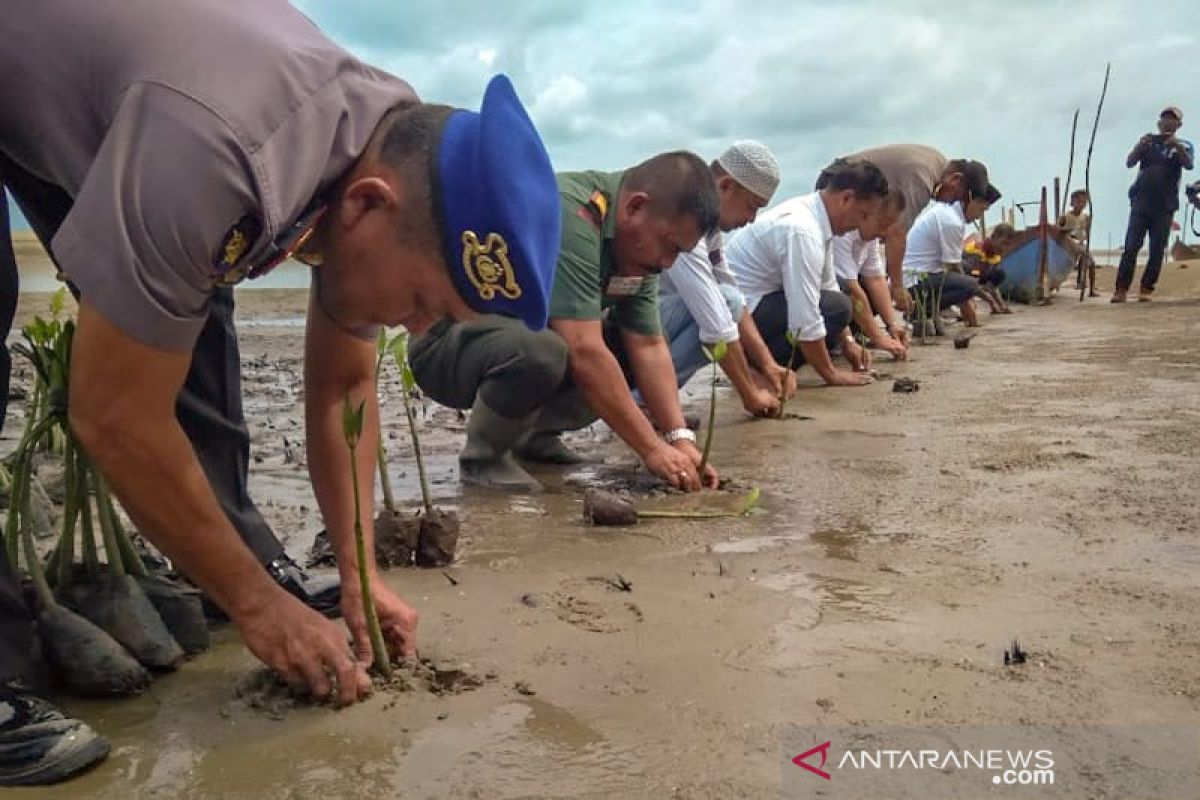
(1087, 174)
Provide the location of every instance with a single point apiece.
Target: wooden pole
(1043, 294)
(1057, 200)
(1071, 159)
(1087, 174)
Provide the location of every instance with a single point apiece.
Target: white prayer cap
(752, 165)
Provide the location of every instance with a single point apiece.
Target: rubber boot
(546, 447)
(487, 459)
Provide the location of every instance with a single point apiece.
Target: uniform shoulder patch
(236, 242)
(595, 209)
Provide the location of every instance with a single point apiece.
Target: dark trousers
(955, 288)
(772, 320)
(1141, 222)
(209, 406)
(495, 358)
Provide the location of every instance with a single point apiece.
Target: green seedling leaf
(58, 301)
(719, 351)
(352, 421)
(790, 337)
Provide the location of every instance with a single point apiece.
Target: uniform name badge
(624, 285)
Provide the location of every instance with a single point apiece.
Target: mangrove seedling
(438, 537)
(607, 508)
(385, 481)
(714, 355)
(352, 425)
(793, 339)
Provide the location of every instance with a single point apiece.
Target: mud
(402, 539)
(606, 508)
(438, 540)
(903, 547)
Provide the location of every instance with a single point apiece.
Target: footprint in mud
(595, 604)
(263, 691)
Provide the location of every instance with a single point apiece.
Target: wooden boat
(1020, 263)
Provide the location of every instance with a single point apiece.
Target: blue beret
(501, 212)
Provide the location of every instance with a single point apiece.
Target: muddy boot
(547, 447)
(486, 459)
(1118, 296)
(40, 745)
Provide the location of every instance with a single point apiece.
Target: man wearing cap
(934, 253)
(1153, 199)
(784, 266)
(619, 230)
(699, 301)
(919, 173)
(183, 148)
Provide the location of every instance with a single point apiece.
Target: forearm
(655, 376)
(895, 244)
(598, 375)
(753, 346)
(737, 368)
(816, 355)
(876, 288)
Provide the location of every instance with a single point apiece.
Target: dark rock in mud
(906, 385)
(438, 539)
(88, 660)
(181, 611)
(963, 340)
(121, 608)
(396, 537)
(320, 552)
(605, 508)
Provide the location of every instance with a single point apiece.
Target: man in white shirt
(784, 267)
(933, 256)
(858, 263)
(699, 300)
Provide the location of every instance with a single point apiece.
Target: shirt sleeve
(841, 250)
(951, 234)
(804, 259)
(167, 187)
(696, 284)
(577, 293)
(872, 260)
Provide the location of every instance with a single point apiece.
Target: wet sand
(1040, 485)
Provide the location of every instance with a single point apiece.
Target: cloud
(611, 83)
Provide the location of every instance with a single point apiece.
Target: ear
(726, 184)
(635, 203)
(363, 196)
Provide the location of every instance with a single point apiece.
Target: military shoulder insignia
(237, 241)
(595, 209)
(487, 266)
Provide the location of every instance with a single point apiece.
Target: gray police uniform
(154, 144)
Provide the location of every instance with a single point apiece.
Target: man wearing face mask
(619, 230)
(174, 149)
(784, 265)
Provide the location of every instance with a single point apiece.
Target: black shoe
(41, 745)
(321, 593)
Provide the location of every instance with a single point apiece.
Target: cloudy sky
(609, 83)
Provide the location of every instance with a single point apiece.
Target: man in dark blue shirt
(1154, 198)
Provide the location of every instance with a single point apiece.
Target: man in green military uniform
(619, 230)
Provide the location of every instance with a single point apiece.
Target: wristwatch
(679, 434)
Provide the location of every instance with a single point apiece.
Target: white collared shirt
(852, 257)
(936, 238)
(787, 248)
(696, 277)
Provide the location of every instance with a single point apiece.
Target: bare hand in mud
(858, 356)
(674, 466)
(894, 347)
(307, 650)
(397, 621)
(761, 403)
(903, 335)
(901, 299)
(709, 479)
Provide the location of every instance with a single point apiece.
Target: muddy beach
(1040, 486)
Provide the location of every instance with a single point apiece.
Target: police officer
(619, 230)
(182, 147)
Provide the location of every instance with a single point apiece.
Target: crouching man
(784, 266)
(700, 303)
(524, 389)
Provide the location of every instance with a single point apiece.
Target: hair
(407, 142)
(991, 195)
(678, 183)
(1079, 193)
(859, 176)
